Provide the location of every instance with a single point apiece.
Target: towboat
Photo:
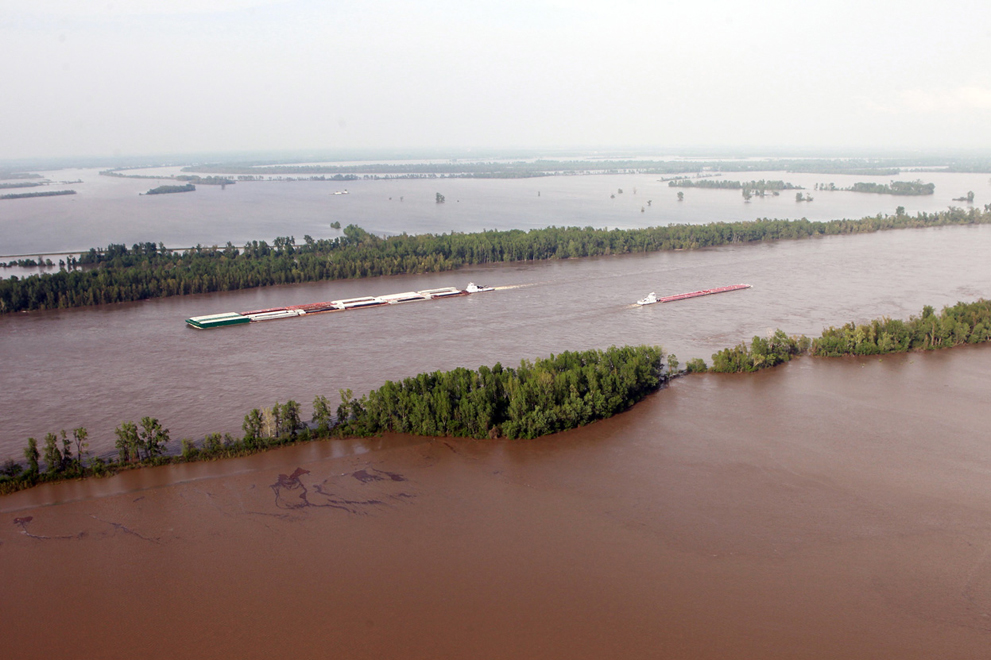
(475, 288)
(650, 299)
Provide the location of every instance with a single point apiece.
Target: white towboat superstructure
(650, 299)
(475, 288)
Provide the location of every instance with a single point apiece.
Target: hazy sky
(81, 77)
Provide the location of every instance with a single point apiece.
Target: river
(97, 367)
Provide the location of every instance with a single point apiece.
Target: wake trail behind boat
(513, 286)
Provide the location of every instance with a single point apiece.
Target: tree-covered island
(165, 190)
(894, 188)
(723, 184)
(146, 270)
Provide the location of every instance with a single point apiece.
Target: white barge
(292, 311)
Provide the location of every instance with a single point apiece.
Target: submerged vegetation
(146, 270)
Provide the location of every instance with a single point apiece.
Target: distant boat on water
(652, 297)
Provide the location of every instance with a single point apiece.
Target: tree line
(546, 396)
(46, 193)
(895, 188)
(963, 323)
(165, 190)
(537, 398)
(146, 270)
(723, 184)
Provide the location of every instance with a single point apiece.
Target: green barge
(217, 320)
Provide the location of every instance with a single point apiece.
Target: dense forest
(121, 274)
(963, 323)
(546, 396)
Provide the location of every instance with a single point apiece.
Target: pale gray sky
(81, 77)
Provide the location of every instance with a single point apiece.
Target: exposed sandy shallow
(827, 509)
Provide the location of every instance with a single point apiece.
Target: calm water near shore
(826, 509)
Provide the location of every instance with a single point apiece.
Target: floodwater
(98, 367)
(825, 509)
(112, 210)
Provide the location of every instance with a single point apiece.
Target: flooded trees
(153, 437)
(534, 399)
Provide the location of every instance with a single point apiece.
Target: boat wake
(513, 286)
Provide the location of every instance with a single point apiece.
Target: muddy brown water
(825, 509)
(98, 367)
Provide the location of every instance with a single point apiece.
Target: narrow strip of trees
(723, 184)
(963, 323)
(146, 270)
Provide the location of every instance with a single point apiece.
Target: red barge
(652, 297)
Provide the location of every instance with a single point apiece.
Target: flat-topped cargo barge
(292, 311)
